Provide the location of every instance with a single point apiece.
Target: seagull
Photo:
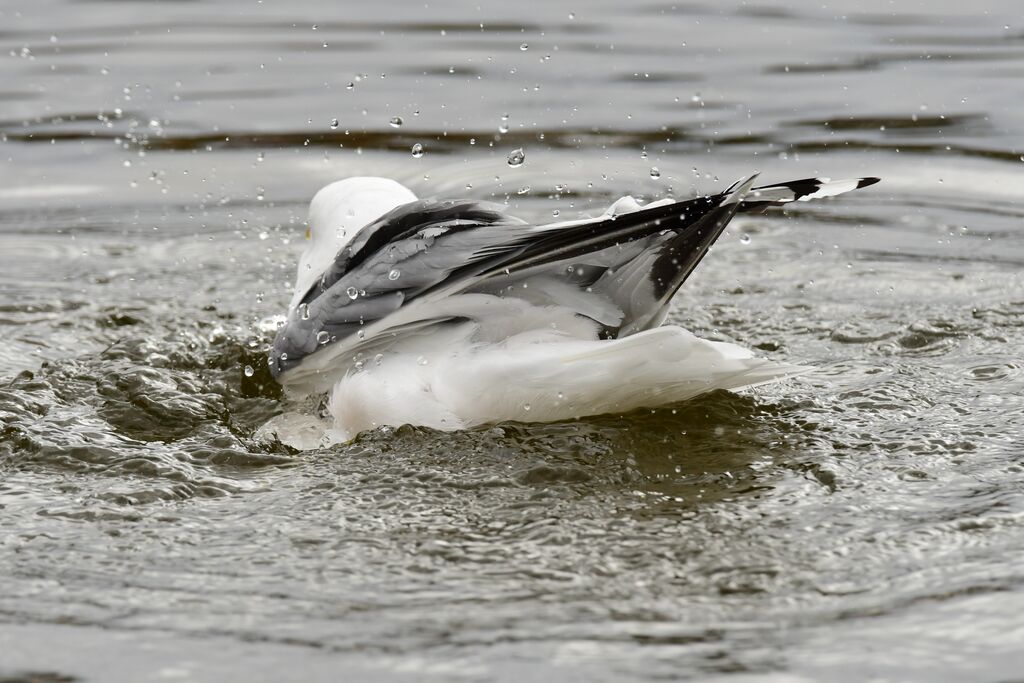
(451, 313)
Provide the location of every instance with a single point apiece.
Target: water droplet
(352, 292)
(249, 372)
(394, 274)
(422, 360)
(655, 173)
(322, 337)
(744, 238)
(555, 212)
(524, 47)
(304, 311)
(283, 356)
(526, 407)
(396, 122)
(417, 150)
(523, 190)
(378, 359)
(334, 124)
(516, 157)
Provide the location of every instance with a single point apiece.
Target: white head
(337, 212)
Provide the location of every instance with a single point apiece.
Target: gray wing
(393, 261)
(429, 250)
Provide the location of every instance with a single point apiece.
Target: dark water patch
(433, 141)
(952, 123)
(659, 77)
(838, 66)
(766, 12)
(461, 71)
(1010, 155)
(36, 677)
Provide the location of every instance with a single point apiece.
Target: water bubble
(516, 157)
(655, 173)
(322, 337)
(524, 47)
(417, 150)
(304, 311)
(334, 124)
(396, 122)
(744, 238)
(249, 371)
(394, 274)
(352, 293)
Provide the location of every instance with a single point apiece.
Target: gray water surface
(865, 522)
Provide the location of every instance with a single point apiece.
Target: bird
(453, 314)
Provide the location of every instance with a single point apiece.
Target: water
(863, 523)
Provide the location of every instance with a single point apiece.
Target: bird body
(452, 314)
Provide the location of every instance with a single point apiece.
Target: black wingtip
(866, 182)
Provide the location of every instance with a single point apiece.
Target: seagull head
(336, 214)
